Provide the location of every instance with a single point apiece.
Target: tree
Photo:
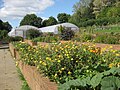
(7, 26)
(83, 11)
(44, 23)
(32, 33)
(63, 17)
(49, 22)
(1, 24)
(31, 19)
(52, 21)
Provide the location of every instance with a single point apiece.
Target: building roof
(54, 28)
(26, 27)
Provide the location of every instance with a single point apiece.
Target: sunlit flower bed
(69, 61)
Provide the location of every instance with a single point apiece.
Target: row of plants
(88, 67)
(107, 38)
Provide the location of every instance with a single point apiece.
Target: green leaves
(95, 81)
(108, 80)
(110, 83)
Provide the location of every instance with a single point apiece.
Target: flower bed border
(35, 80)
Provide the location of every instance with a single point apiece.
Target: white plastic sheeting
(54, 28)
(21, 31)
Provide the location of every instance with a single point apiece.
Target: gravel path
(9, 79)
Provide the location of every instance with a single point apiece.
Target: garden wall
(35, 80)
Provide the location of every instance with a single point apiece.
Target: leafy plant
(30, 34)
(107, 80)
(67, 34)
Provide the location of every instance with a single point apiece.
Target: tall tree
(63, 17)
(1, 24)
(51, 21)
(31, 19)
(7, 26)
(83, 11)
(100, 5)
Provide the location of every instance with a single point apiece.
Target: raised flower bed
(35, 80)
(70, 63)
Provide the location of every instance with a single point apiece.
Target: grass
(102, 29)
(24, 83)
(109, 30)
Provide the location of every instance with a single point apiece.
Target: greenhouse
(21, 31)
(54, 28)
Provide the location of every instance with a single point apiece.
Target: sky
(13, 11)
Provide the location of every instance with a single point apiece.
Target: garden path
(9, 79)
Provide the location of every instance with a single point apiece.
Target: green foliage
(5, 26)
(30, 34)
(69, 61)
(47, 39)
(107, 80)
(24, 83)
(3, 34)
(16, 38)
(63, 17)
(67, 34)
(51, 21)
(107, 38)
(86, 37)
(31, 19)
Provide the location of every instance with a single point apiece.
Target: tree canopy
(49, 22)
(31, 19)
(5, 26)
(63, 17)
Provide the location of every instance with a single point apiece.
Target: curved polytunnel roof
(54, 28)
(26, 27)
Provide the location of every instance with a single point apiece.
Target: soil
(9, 79)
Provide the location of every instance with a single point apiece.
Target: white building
(21, 31)
(54, 28)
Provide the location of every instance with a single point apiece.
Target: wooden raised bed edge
(35, 80)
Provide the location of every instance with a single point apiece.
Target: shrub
(86, 37)
(67, 34)
(16, 38)
(107, 38)
(47, 39)
(30, 34)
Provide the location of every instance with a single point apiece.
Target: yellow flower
(44, 63)
(16, 63)
(111, 65)
(111, 46)
(118, 64)
(62, 68)
(40, 62)
(58, 61)
(60, 71)
(55, 75)
(117, 54)
(69, 72)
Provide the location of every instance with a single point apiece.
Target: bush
(48, 39)
(30, 34)
(107, 38)
(16, 38)
(67, 34)
(86, 37)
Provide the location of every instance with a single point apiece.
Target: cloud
(16, 9)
